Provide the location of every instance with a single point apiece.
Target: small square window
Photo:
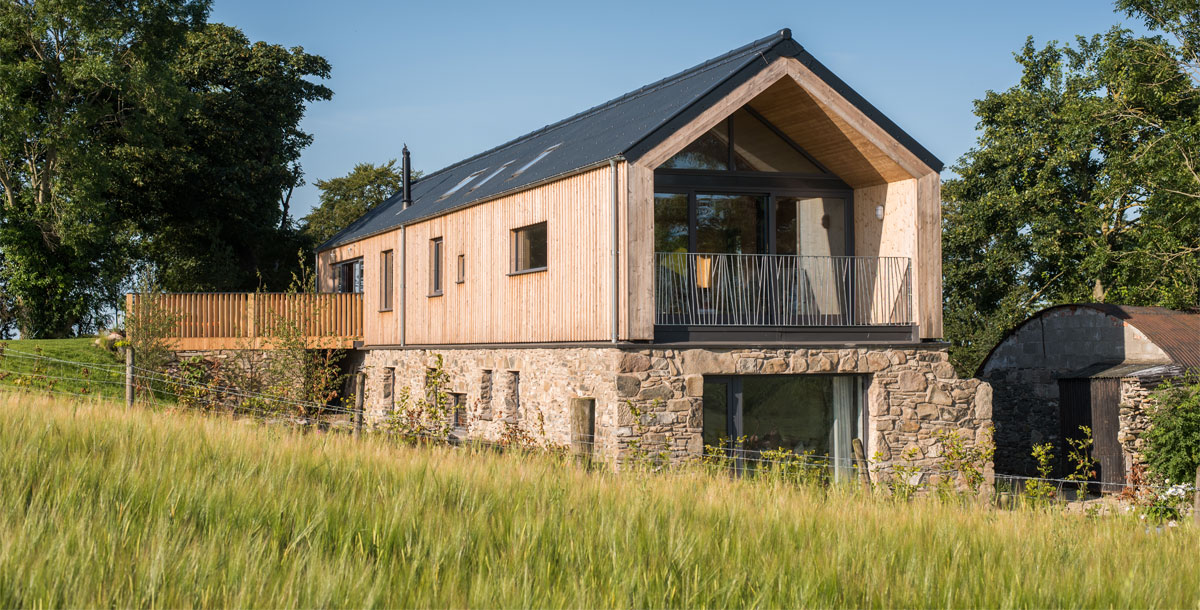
(461, 274)
(529, 248)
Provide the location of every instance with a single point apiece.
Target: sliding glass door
(818, 415)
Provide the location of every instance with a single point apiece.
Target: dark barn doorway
(1094, 403)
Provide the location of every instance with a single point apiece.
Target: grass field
(17, 369)
(106, 507)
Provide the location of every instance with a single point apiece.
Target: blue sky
(455, 78)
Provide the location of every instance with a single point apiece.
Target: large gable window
(744, 142)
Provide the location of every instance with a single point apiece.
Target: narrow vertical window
(435, 267)
(485, 396)
(389, 384)
(461, 273)
(458, 401)
(385, 280)
(529, 248)
(513, 399)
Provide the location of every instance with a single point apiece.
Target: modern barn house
(747, 249)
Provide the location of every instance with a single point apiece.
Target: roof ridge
(784, 34)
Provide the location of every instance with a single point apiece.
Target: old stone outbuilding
(1094, 365)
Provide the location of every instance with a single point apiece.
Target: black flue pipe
(406, 169)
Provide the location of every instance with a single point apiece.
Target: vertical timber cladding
(375, 324)
(1094, 403)
(570, 301)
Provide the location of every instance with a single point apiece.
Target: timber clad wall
(570, 301)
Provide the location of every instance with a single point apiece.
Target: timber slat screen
(204, 321)
(782, 290)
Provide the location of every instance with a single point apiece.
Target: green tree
(217, 215)
(81, 86)
(346, 198)
(1075, 191)
(1173, 437)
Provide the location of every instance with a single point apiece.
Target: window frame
(514, 237)
(460, 270)
(355, 277)
(437, 251)
(386, 287)
(773, 193)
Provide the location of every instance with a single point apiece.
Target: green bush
(1173, 439)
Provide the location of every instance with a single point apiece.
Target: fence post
(860, 460)
(582, 417)
(360, 385)
(128, 376)
(252, 317)
(1196, 499)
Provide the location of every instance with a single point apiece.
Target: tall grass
(103, 507)
(36, 364)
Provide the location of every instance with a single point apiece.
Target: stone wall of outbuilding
(911, 392)
(1137, 400)
(1025, 367)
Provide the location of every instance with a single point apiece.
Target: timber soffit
(626, 127)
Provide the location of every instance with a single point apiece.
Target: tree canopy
(135, 135)
(217, 216)
(344, 199)
(1081, 186)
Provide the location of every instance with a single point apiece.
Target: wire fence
(26, 371)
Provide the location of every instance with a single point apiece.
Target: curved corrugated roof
(1175, 332)
(627, 126)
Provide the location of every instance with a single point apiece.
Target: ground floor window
(815, 414)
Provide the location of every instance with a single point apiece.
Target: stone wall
(228, 365)
(1025, 411)
(1137, 401)
(911, 392)
(1025, 368)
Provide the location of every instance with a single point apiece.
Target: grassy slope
(102, 507)
(16, 368)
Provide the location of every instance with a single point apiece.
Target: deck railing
(782, 290)
(238, 320)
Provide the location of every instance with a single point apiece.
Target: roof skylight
(491, 175)
(461, 184)
(541, 155)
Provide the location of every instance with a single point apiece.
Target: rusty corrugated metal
(1176, 332)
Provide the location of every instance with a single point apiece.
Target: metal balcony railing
(782, 290)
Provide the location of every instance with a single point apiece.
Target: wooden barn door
(1094, 403)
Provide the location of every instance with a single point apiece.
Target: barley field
(106, 507)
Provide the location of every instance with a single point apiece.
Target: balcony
(712, 296)
(214, 321)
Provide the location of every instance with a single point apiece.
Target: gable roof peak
(623, 127)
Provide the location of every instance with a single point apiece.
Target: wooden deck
(217, 321)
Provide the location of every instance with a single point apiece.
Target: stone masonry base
(911, 392)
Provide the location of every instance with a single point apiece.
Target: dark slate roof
(628, 127)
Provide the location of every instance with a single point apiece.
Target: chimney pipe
(406, 169)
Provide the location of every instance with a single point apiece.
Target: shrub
(1079, 456)
(966, 460)
(1173, 438)
(1038, 491)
